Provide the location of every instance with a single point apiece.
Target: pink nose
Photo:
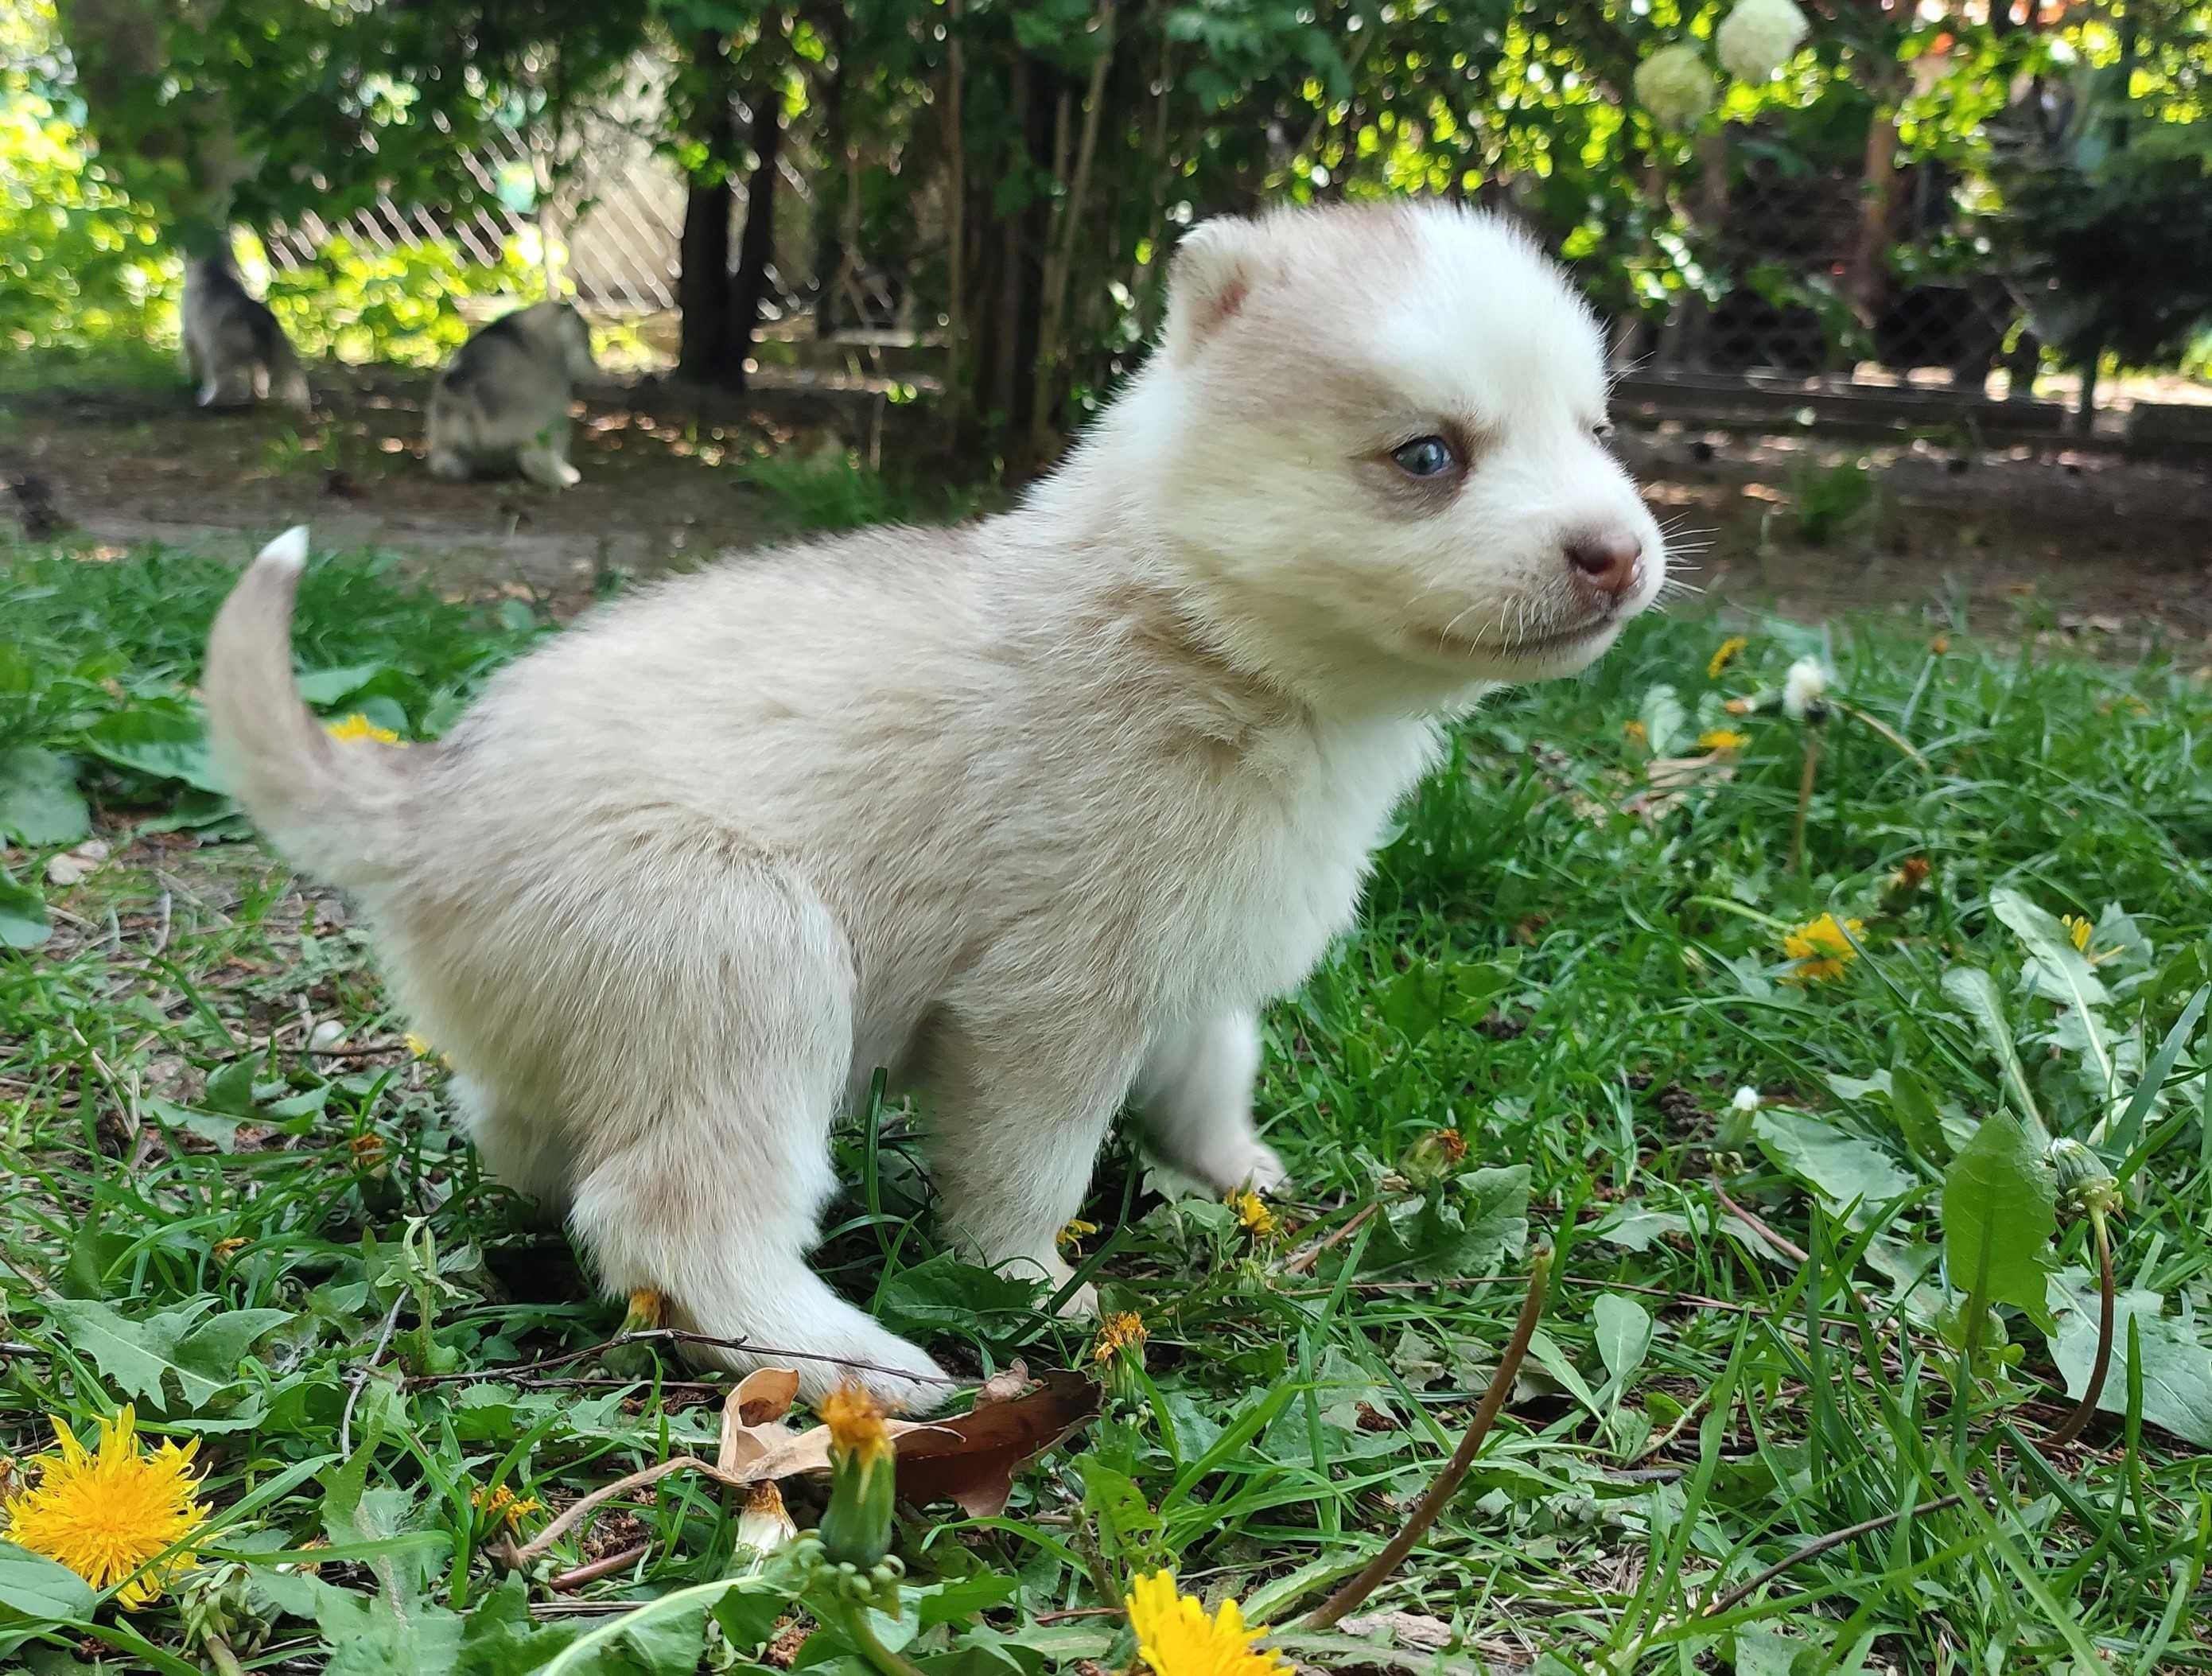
(1606, 564)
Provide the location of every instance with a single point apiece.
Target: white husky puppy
(502, 404)
(1035, 813)
(234, 348)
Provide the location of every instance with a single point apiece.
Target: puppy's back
(503, 387)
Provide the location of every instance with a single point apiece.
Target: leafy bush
(79, 262)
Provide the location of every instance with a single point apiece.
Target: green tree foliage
(79, 260)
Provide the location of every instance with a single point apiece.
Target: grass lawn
(236, 1199)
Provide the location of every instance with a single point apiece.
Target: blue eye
(1424, 457)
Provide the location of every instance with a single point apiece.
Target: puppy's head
(563, 336)
(1378, 439)
(573, 337)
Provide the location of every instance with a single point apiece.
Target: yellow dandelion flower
(856, 1424)
(223, 1250)
(1253, 1216)
(1635, 732)
(1176, 1637)
(418, 1046)
(1123, 1330)
(1075, 1233)
(358, 726)
(648, 1311)
(2078, 929)
(500, 1506)
(1940, 645)
(1722, 739)
(1820, 949)
(1724, 655)
(105, 1515)
(367, 1151)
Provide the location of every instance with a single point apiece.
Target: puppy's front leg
(1195, 1095)
(1015, 1122)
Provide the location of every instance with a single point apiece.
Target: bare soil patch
(2082, 544)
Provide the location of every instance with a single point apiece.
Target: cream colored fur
(1035, 813)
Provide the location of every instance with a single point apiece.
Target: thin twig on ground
(605, 1566)
(1813, 1550)
(1377, 1570)
(362, 1376)
(1307, 1254)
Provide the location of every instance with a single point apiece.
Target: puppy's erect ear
(1215, 267)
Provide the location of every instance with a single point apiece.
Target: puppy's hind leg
(1196, 1097)
(709, 1149)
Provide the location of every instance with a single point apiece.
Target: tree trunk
(959, 410)
(1868, 276)
(1059, 267)
(757, 248)
(834, 186)
(120, 49)
(702, 287)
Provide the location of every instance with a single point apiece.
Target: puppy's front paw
(1253, 1164)
(1264, 1172)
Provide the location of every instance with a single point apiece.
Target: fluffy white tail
(332, 808)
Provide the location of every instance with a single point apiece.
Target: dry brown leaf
(1670, 776)
(969, 1459)
(752, 1416)
(1409, 1629)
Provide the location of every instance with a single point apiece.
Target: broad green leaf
(1665, 721)
(39, 803)
(1623, 1328)
(944, 1293)
(659, 1638)
(330, 686)
(2000, 1209)
(1973, 989)
(500, 1639)
(1850, 1174)
(1633, 1228)
(170, 1351)
(164, 742)
(35, 1588)
(1919, 1119)
(214, 1348)
(2177, 1366)
(368, 1636)
(23, 921)
(1761, 1651)
(1560, 1366)
(2059, 971)
(1465, 1228)
(139, 1358)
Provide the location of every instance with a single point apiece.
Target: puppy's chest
(1271, 858)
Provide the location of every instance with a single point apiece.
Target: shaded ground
(2083, 544)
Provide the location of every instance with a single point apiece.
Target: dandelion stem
(2084, 1411)
(863, 1634)
(1379, 1570)
(1804, 800)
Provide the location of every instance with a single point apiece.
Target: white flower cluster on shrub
(1753, 41)
(1759, 37)
(1674, 86)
